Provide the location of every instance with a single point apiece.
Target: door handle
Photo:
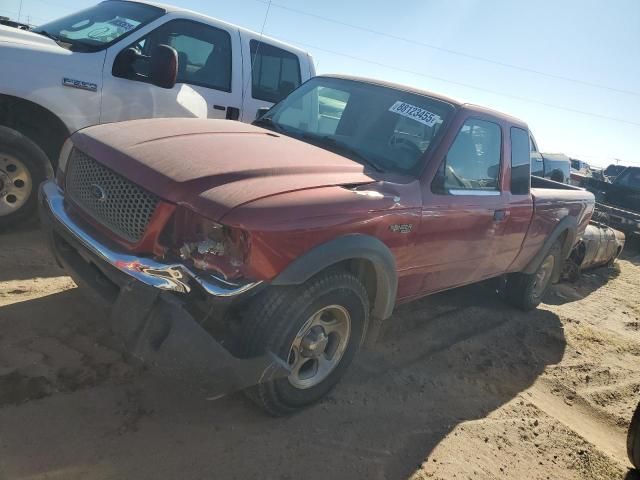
(500, 215)
(219, 107)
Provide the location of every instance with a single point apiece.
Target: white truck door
(272, 72)
(208, 82)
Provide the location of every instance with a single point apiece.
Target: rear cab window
(521, 148)
(275, 72)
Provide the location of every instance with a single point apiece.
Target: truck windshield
(383, 128)
(98, 27)
(629, 178)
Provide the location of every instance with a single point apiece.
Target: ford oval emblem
(98, 192)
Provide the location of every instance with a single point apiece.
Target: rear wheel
(23, 166)
(316, 328)
(525, 291)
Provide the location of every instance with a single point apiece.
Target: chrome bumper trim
(165, 276)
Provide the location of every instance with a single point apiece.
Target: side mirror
(261, 111)
(163, 67)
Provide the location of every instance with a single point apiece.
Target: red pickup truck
(260, 255)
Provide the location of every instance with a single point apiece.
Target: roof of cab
(456, 103)
(197, 15)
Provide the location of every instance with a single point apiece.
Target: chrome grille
(109, 198)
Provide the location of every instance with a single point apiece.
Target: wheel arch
(579, 252)
(365, 256)
(565, 232)
(35, 122)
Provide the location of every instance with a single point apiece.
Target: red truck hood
(213, 166)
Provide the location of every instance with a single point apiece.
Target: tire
(633, 439)
(23, 167)
(293, 322)
(524, 291)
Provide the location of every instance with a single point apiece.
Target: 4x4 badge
(401, 227)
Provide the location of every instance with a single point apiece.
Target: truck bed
(552, 203)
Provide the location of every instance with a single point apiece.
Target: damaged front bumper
(142, 297)
(164, 276)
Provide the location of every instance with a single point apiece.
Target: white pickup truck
(122, 60)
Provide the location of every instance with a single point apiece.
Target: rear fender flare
(568, 225)
(349, 247)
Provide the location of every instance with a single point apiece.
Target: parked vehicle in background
(597, 173)
(619, 199)
(612, 171)
(578, 166)
(122, 60)
(7, 22)
(286, 241)
(599, 245)
(579, 171)
(554, 166)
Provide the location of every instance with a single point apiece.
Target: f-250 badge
(70, 82)
(401, 227)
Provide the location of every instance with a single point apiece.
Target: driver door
(462, 208)
(208, 81)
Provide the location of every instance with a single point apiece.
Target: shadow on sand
(589, 282)
(24, 255)
(441, 361)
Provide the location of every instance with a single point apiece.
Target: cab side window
(473, 161)
(204, 53)
(274, 72)
(520, 161)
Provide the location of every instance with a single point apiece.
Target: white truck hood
(25, 37)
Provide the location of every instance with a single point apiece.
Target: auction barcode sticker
(123, 24)
(415, 113)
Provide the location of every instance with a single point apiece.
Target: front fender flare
(349, 247)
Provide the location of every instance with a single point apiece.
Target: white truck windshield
(98, 27)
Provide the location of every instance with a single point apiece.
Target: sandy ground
(460, 386)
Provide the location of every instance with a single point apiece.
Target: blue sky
(571, 42)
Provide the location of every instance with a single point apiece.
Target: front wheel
(525, 291)
(316, 328)
(23, 166)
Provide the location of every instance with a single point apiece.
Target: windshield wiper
(268, 123)
(332, 144)
(44, 33)
(74, 45)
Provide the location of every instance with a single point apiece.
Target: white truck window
(204, 53)
(96, 28)
(275, 72)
